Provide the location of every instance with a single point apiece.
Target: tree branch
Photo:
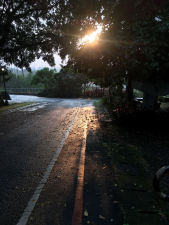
(16, 49)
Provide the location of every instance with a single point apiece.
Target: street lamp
(6, 101)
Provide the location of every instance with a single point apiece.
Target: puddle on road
(33, 108)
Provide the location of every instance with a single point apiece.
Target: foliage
(39, 28)
(136, 42)
(94, 93)
(20, 81)
(69, 83)
(118, 99)
(134, 37)
(31, 29)
(143, 119)
(138, 94)
(43, 93)
(161, 99)
(45, 77)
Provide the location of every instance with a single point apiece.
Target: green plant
(124, 214)
(161, 98)
(137, 93)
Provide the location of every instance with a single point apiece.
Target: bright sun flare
(90, 38)
(93, 36)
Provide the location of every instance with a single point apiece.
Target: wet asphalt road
(29, 139)
(70, 102)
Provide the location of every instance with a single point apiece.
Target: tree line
(133, 43)
(64, 83)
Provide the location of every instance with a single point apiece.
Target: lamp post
(6, 101)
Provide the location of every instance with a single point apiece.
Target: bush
(43, 93)
(94, 93)
(161, 99)
(145, 119)
(116, 99)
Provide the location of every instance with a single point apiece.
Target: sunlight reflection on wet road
(64, 101)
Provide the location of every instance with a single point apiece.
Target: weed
(124, 214)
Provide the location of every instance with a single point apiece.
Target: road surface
(29, 139)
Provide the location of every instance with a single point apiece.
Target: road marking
(78, 207)
(23, 220)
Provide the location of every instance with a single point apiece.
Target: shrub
(43, 93)
(145, 119)
(161, 99)
(94, 93)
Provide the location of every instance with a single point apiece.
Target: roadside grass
(14, 106)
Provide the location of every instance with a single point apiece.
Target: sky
(41, 63)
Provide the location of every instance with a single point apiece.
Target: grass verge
(13, 106)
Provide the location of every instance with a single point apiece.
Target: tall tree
(31, 29)
(134, 39)
(45, 77)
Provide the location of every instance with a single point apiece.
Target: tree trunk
(1, 101)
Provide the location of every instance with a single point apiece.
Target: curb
(78, 206)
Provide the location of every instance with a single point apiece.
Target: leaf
(31, 218)
(101, 217)
(85, 213)
(65, 205)
(88, 222)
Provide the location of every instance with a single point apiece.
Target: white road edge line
(25, 216)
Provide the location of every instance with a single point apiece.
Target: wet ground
(30, 136)
(69, 102)
(118, 167)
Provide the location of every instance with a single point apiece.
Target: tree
(69, 83)
(45, 77)
(31, 29)
(20, 81)
(134, 39)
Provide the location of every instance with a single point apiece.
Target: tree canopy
(31, 29)
(45, 77)
(134, 37)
